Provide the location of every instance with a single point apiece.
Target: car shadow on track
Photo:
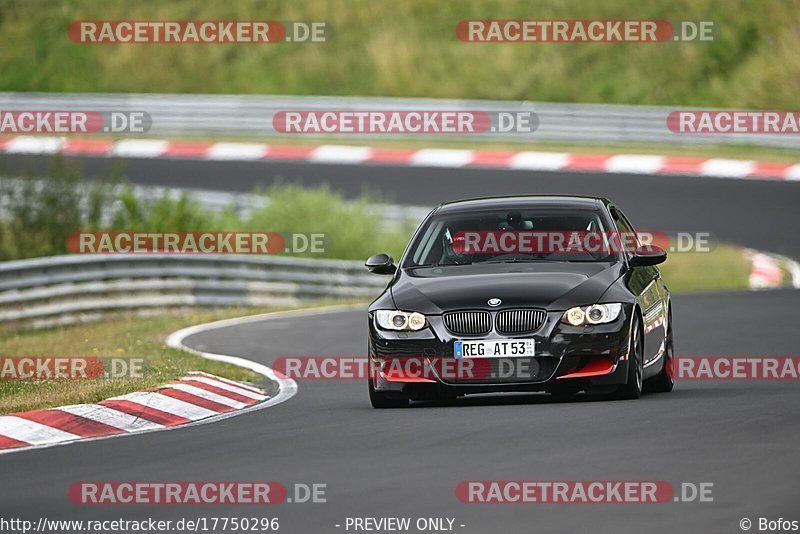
(506, 399)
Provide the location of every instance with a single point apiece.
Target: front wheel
(382, 400)
(663, 382)
(633, 388)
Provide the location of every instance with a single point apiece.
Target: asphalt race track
(739, 435)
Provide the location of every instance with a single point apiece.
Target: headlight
(594, 314)
(400, 320)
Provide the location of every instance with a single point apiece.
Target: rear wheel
(633, 388)
(662, 382)
(386, 399)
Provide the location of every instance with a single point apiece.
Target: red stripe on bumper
(597, 367)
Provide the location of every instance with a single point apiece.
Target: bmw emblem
(494, 302)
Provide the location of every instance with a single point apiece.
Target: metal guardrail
(251, 116)
(66, 289)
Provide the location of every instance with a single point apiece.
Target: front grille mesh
(468, 323)
(519, 321)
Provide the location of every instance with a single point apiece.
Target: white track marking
(793, 172)
(236, 151)
(631, 163)
(727, 168)
(439, 157)
(340, 154)
(139, 148)
(34, 145)
(539, 161)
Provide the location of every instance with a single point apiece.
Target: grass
(410, 49)
(725, 268)
(120, 336)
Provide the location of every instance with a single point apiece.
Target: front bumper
(564, 356)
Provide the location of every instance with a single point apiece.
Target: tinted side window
(627, 233)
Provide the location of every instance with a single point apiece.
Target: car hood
(555, 286)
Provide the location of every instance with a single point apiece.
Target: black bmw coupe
(522, 293)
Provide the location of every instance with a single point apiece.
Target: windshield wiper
(424, 265)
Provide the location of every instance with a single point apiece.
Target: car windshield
(517, 235)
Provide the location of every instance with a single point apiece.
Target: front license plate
(498, 348)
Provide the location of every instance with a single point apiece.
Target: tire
(663, 382)
(633, 388)
(384, 400)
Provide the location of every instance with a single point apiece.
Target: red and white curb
(766, 270)
(428, 157)
(195, 397)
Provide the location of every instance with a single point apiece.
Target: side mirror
(648, 255)
(380, 264)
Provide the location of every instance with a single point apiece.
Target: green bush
(354, 229)
(41, 214)
(162, 214)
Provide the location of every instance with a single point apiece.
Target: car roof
(510, 201)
